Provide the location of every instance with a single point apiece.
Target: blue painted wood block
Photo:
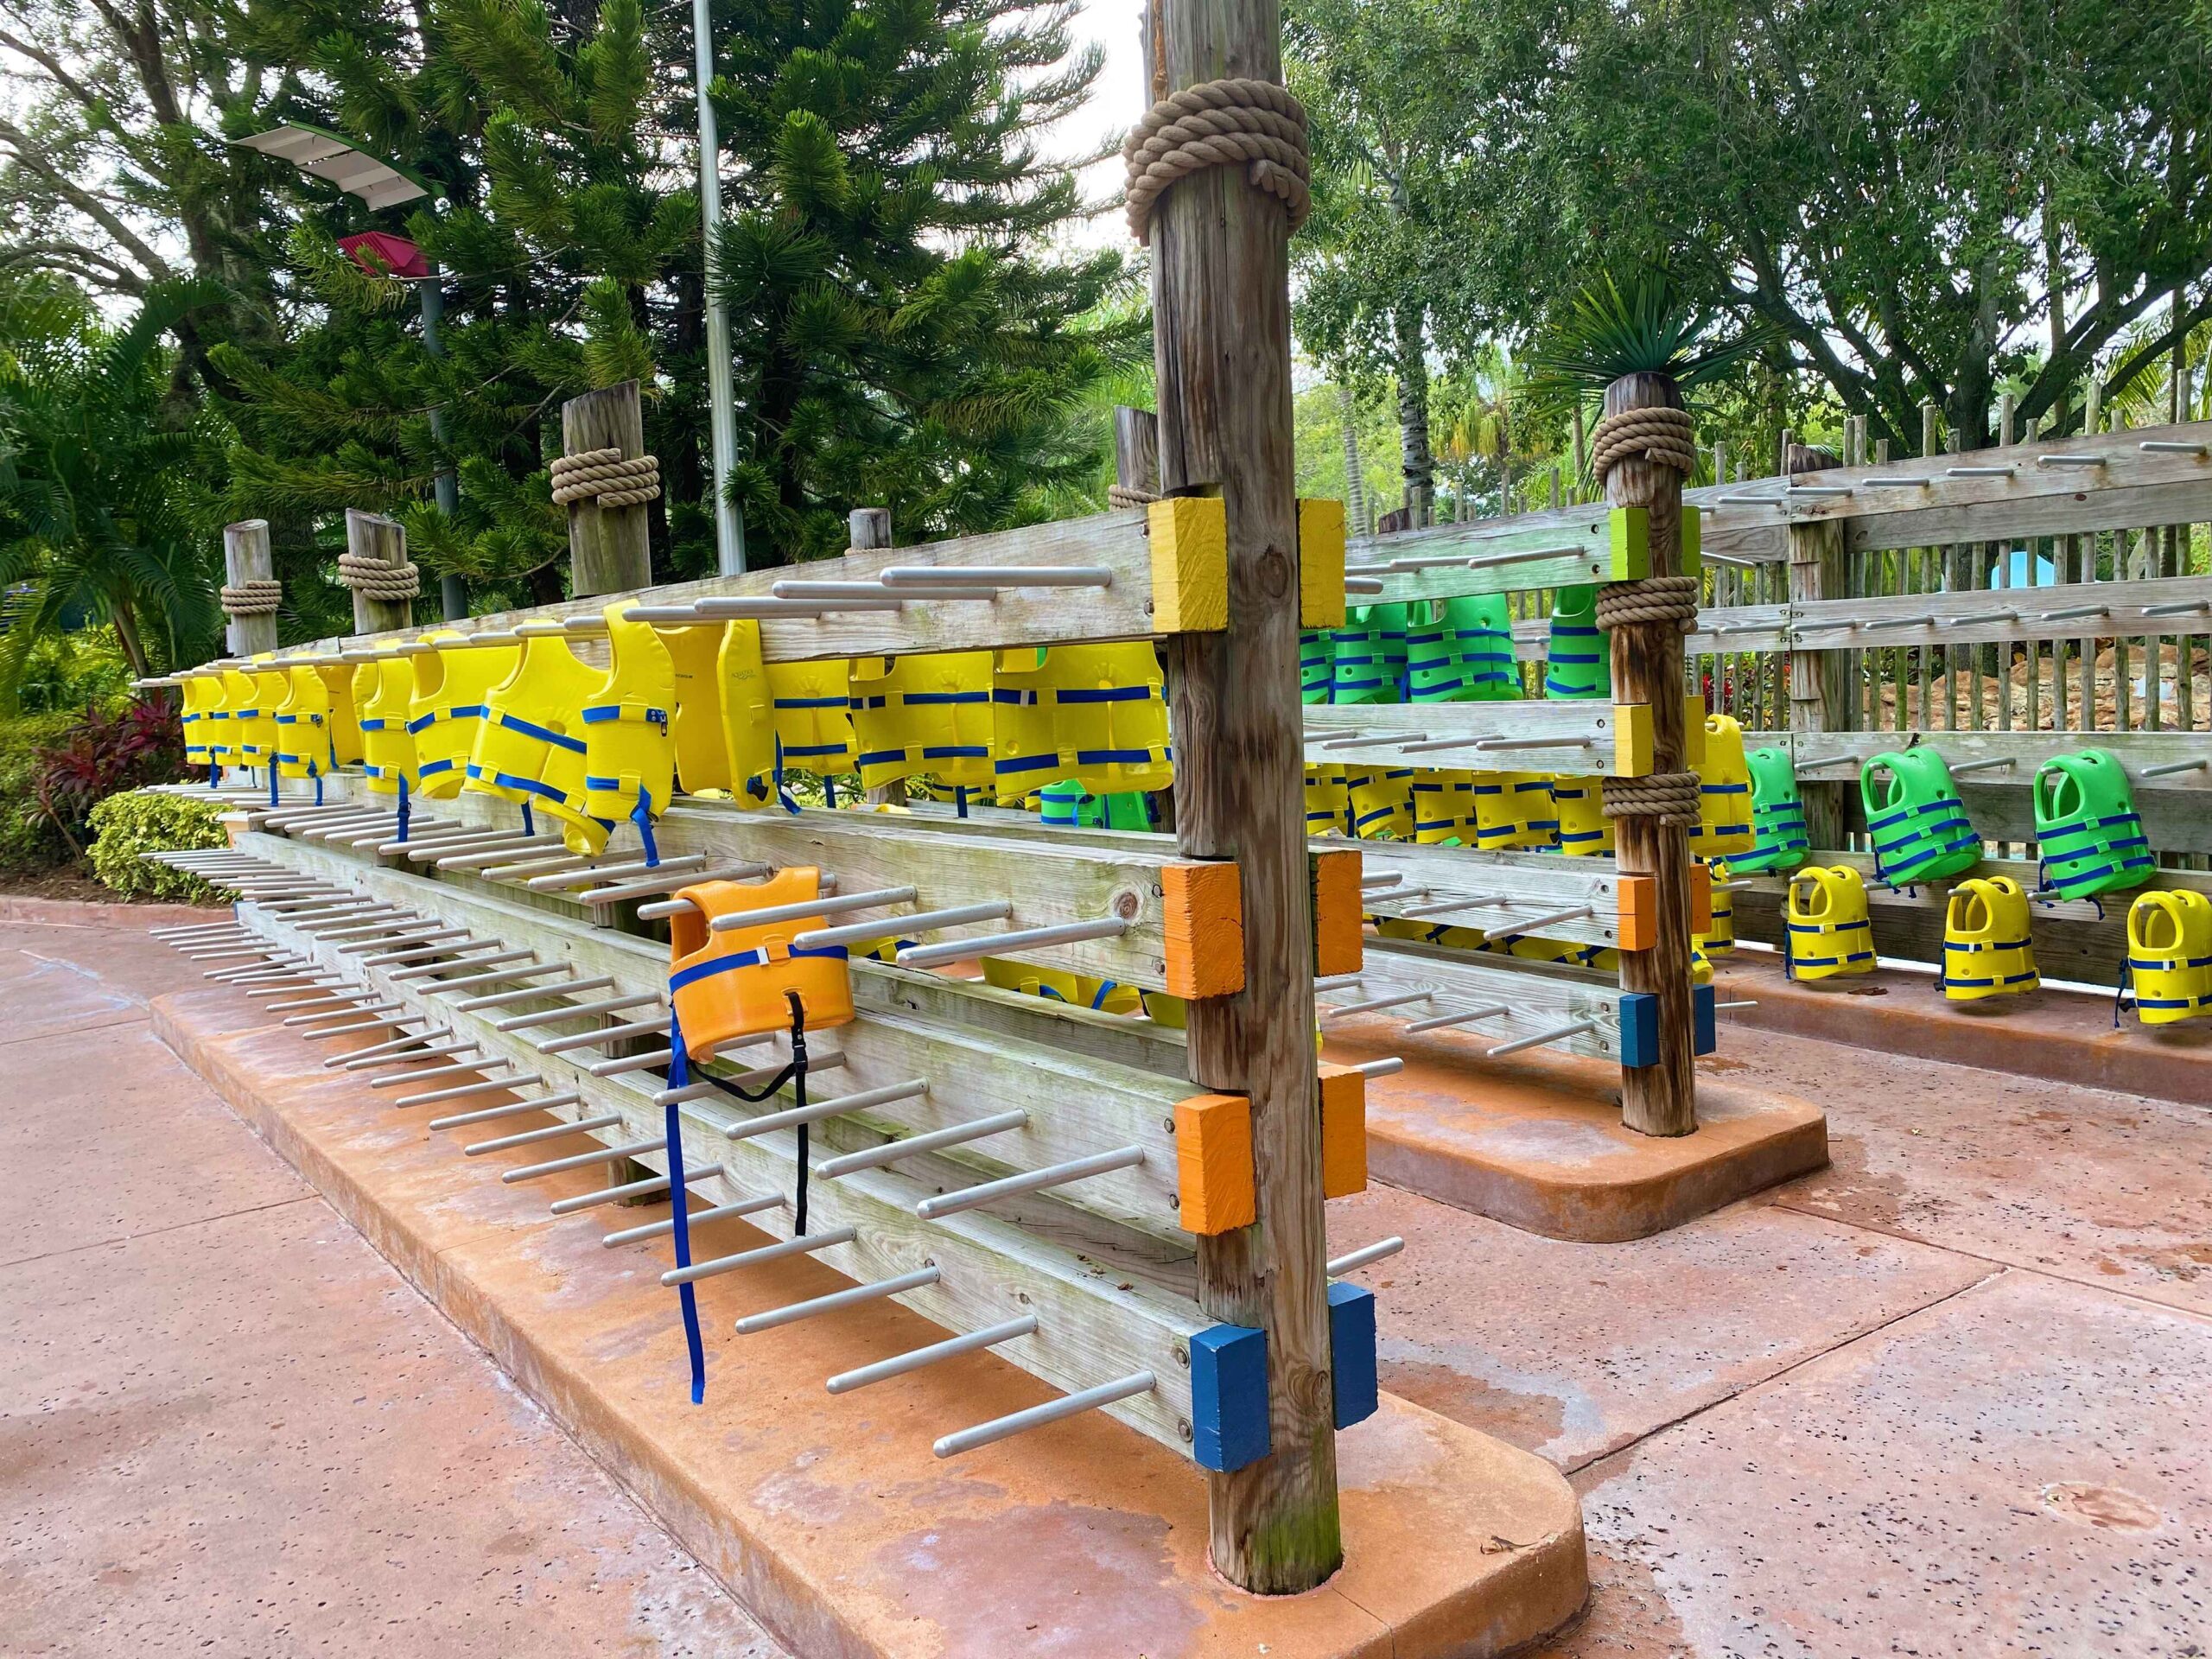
(1705, 1033)
(1351, 1352)
(1229, 1396)
(1639, 1028)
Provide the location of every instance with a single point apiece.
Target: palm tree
(98, 479)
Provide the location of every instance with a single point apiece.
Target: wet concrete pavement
(1950, 1396)
(227, 1426)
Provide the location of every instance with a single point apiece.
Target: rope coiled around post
(1119, 496)
(1648, 599)
(389, 583)
(1667, 438)
(1669, 797)
(604, 475)
(254, 596)
(1255, 124)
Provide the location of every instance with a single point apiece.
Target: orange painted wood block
(1213, 1163)
(1637, 898)
(1202, 915)
(1338, 934)
(1700, 899)
(1344, 1131)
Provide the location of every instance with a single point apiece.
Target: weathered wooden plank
(1540, 996)
(1079, 1105)
(1432, 875)
(2185, 500)
(1826, 752)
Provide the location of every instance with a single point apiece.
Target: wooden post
(609, 551)
(373, 536)
(246, 558)
(1136, 467)
(1647, 667)
(1221, 345)
(1820, 686)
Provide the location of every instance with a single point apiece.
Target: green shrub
(70, 671)
(29, 841)
(124, 826)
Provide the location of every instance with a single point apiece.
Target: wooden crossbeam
(1540, 996)
(1972, 617)
(1535, 882)
(1582, 736)
(1826, 752)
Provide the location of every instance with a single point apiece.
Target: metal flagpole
(729, 523)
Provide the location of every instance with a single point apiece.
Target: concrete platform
(2067, 1036)
(1535, 1140)
(828, 1517)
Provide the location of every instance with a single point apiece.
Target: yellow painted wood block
(1320, 563)
(1202, 912)
(1631, 739)
(1693, 730)
(1190, 564)
(1344, 1131)
(1338, 930)
(1213, 1164)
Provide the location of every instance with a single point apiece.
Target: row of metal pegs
(413, 947)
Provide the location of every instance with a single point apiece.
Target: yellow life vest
(1986, 949)
(1442, 803)
(2170, 955)
(813, 717)
(1025, 735)
(447, 705)
(1828, 931)
(344, 730)
(1700, 965)
(201, 711)
(748, 722)
(1382, 804)
(530, 746)
(929, 713)
(695, 721)
(1398, 927)
(724, 986)
(383, 692)
(1514, 809)
(1724, 810)
(1109, 707)
(1328, 801)
(629, 754)
(301, 720)
(1721, 939)
(1057, 985)
(252, 699)
(1584, 828)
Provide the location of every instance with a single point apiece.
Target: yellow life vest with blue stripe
(1584, 828)
(1827, 929)
(929, 713)
(530, 746)
(812, 710)
(1328, 801)
(1382, 803)
(1024, 738)
(1986, 949)
(695, 721)
(251, 700)
(1514, 809)
(450, 699)
(201, 700)
(2170, 955)
(1720, 939)
(629, 751)
(383, 692)
(302, 725)
(748, 720)
(1724, 807)
(1109, 717)
(1442, 803)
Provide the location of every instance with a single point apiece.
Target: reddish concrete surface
(2063, 1036)
(1928, 1402)
(1536, 1139)
(829, 1514)
(227, 1426)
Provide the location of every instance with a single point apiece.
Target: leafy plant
(127, 827)
(103, 756)
(1650, 327)
(28, 842)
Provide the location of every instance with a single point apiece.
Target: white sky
(1117, 98)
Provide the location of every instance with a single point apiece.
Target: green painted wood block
(1629, 543)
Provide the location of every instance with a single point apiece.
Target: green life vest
(1578, 662)
(1919, 825)
(1779, 838)
(1317, 664)
(1371, 655)
(2086, 824)
(1460, 651)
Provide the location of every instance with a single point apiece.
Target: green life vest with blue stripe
(1579, 661)
(1779, 838)
(2086, 828)
(1369, 657)
(1918, 825)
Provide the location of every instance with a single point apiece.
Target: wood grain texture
(1202, 915)
(246, 558)
(1820, 698)
(1802, 625)
(1584, 732)
(1647, 658)
(1540, 996)
(1213, 1163)
(373, 536)
(1221, 332)
(609, 548)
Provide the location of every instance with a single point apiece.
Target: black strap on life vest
(794, 1073)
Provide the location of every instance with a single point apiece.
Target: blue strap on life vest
(529, 824)
(642, 815)
(403, 809)
(543, 733)
(679, 1076)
